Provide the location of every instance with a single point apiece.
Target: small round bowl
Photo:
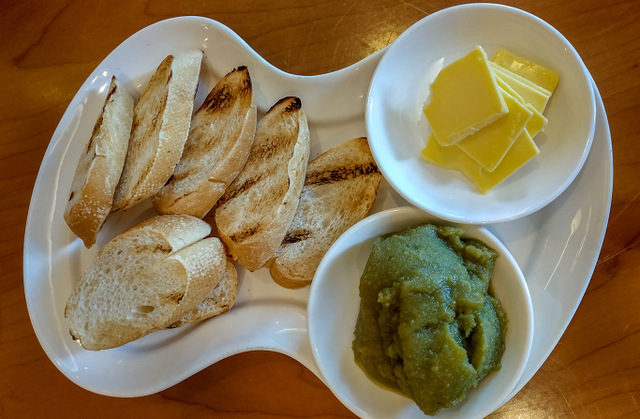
(333, 309)
(398, 129)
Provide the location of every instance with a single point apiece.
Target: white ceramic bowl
(333, 308)
(398, 129)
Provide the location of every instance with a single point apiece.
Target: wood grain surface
(47, 50)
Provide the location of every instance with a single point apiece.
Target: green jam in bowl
(428, 326)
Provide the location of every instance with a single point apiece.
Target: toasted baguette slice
(100, 166)
(220, 139)
(339, 189)
(145, 279)
(218, 301)
(256, 210)
(160, 127)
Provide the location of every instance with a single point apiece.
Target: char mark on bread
(266, 192)
(275, 146)
(98, 124)
(220, 138)
(112, 91)
(239, 189)
(224, 94)
(276, 191)
(296, 236)
(340, 187)
(163, 249)
(243, 235)
(178, 176)
(220, 100)
(340, 174)
(295, 104)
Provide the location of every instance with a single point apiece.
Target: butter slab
(521, 152)
(531, 71)
(529, 91)
(464, 98)
(489, 145)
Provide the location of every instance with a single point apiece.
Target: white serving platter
(556, 247)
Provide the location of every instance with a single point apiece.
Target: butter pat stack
(484, 115)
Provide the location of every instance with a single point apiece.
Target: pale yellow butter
(489, 145)
(464, 98)
(537, 121)
(531, 71)
(503, 71)
(490, 154)
(528, 91)
(522, 151)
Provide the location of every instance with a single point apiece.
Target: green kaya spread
(428, 326)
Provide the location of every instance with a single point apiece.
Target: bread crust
(256, 210)
(161, 123)
(220, 138)
(340, 188)
(100, 166)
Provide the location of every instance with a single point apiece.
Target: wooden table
(48, 50)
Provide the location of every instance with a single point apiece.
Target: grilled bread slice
(256, 210)
(219, 301)
(100, 166)
(160, 127)
(145, 279)
(340, 186)
(217, 148)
